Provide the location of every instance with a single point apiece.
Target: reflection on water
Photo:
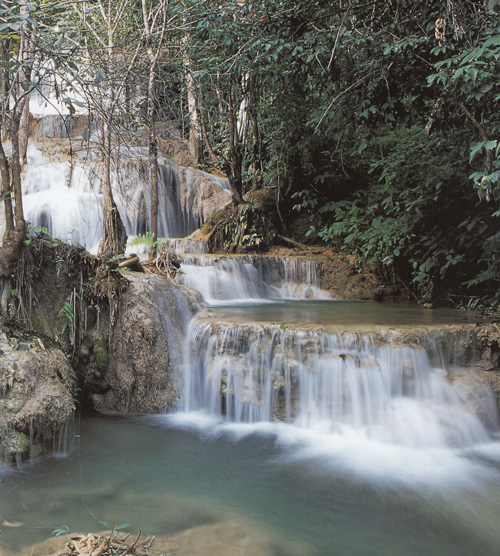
(343, 313)
(305, 492)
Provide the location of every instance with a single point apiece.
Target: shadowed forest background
(374, 124)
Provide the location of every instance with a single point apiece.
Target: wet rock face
(145, 348)
(480, 345)
(36, 394)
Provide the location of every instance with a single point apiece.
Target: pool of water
(343, 313)
(308, 493)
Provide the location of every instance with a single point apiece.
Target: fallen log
(293, 242)
(133, 264)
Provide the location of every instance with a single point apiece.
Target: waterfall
(185, 245)
(63, 193)
(337, 383)
(230, 279)
(63, 199)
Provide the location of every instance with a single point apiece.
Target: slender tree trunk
(195, 133)
(114, 236)
(234, 162)
(6, 190)
(24, 129)
(15, 232)
(153, 161)
(258, 169)
(151, 118)
(25, 55)
(16, 168)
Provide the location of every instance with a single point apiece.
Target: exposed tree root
(165, 264)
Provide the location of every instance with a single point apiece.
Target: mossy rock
(19, 442)
(101, 358)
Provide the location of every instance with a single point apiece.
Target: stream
(164, 474)
(395, 469)
(296, 432)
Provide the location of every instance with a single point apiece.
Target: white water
(64, 200)
(382, 413)
(244, 279)
(66, 196)
(352, 413)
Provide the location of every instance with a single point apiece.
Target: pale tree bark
(25, 55)
(15, 98)
(153, 20)
(114, 235)
(195, 131)
(258, 169)
(234, 161)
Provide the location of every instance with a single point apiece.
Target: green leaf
(469, 57)
(492, 41)
(63, 530)
(474, 150)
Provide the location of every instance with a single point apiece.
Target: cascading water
(183, 246)
(339, 384)
(376, 415)
(63, 193)
(63, 199)
(226, 279)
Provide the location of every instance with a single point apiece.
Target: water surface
(343, 313)
(164, 474)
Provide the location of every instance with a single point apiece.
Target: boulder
(36, 393)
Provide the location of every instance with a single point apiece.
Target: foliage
(63, 530)
(379, 127)
(147, 239)
(400, 114)
(66, 312)
(38, 231)
(115, 527)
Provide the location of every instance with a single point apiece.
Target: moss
(20, 442)
(216, 216)
(101, 358)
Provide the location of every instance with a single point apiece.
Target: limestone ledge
(36, 393)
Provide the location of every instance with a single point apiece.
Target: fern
(66, 311)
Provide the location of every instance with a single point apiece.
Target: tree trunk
(234, 162)
(25, 57)
(16, 168)
(6, 190)
(24, 129)
(15, 232)
(258, 169)
(195, 132)
(151, 113)
(153, 163)
(114, 237)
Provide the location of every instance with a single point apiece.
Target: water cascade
(336, 383)
(63, 194)
(400, 444)
(245, 278)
